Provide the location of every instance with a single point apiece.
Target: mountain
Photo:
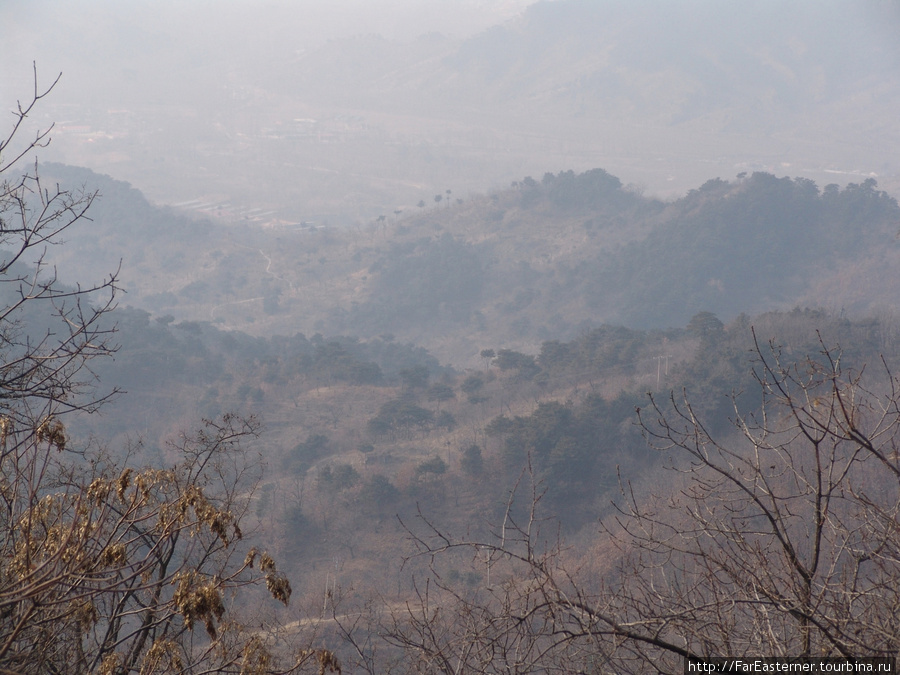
(662, 95)
(422, 369)
(540, 260)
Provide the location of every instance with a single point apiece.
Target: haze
(347, 110)
(419, 268)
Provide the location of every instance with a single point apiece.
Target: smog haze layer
(344, 111)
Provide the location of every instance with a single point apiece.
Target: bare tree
(779, 540)
(789, 539)
(48, 332)
(106, 568)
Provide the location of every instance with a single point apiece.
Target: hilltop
(543, 259)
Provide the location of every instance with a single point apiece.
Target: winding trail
(268, 265)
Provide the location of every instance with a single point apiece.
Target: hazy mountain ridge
(757, 243)
(541, 260)
(661, 95)
(593, 59)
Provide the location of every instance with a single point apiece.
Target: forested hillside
(358, 433)
(541, 260)
(368, 437)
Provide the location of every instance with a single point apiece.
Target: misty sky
(97, 44)
(194, 98)
(60, 32)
